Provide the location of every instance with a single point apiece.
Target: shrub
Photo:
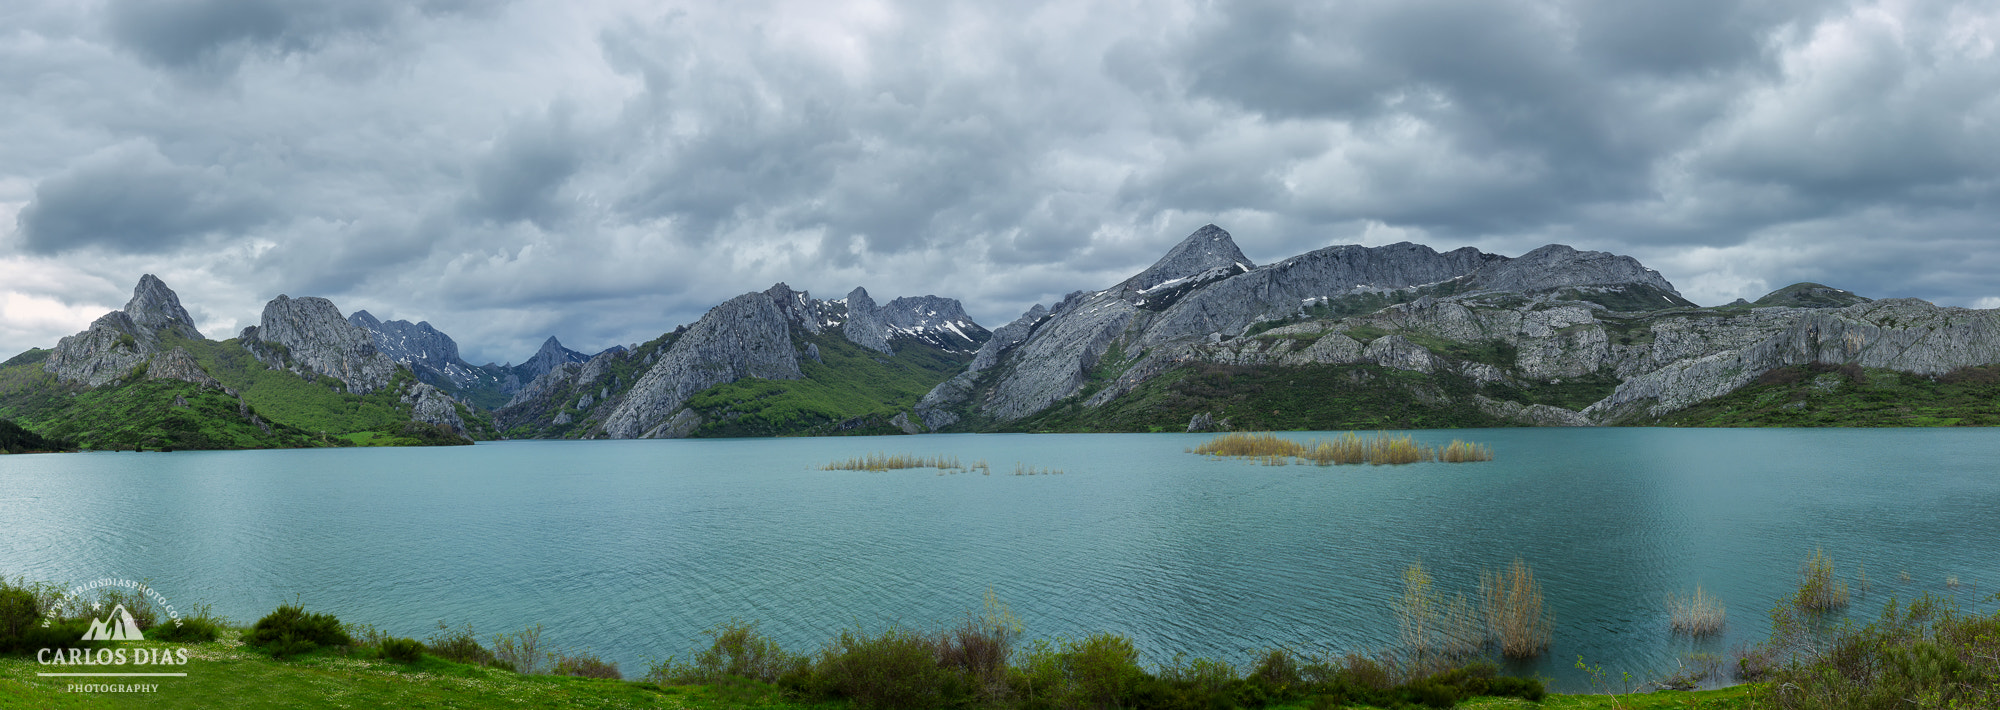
(737, 650)
(402, 650)
(19, 612)
(200, 627)
(1103, 669)
(136, 603)
(520, 652)
(895, 669)
(586, 665)
(458, 646)
(1926, 654)
(289, 630)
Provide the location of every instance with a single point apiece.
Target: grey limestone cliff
(177, 364)
(551, 354)
(311, 338)
(1557, 266)
(938, 321)
(746, 336)
(431, 354)
(431, 405)
(865, 324)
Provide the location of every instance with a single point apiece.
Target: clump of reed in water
(1398, 449)
(887, 462)
(1348, 448)
(1344, 449)
(1021, 470)
(1465, 451)
(1696, 615)
(1249, 445)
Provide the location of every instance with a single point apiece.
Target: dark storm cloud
(131, 198)
(605, 170)
(520, 178)
(216, 35)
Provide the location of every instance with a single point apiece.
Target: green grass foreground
(226, 674)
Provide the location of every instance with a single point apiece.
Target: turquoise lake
(632, 548)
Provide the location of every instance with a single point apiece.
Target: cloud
(214, 37)
(606, 170)
(129, 197)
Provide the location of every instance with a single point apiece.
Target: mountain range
(1395, 336)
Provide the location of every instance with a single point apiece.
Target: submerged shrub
(289, 630)
(1513, 609)
(1819, 591)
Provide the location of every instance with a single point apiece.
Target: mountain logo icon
(119, 626)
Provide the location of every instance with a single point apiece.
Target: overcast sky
(604, 171)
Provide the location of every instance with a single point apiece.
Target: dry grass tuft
(887, 462)
(1696, 615)
(1514, 614)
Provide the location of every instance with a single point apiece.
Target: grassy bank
(1924, 653)
(225, 674)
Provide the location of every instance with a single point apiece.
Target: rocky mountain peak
(156, 307)
(798, 306)
(864, 325)
(1207, 249)
(316, 339)
(120, 340)
(936, 320)
(1559, 266)
(431, 354)
(551, 355)
(1810, 295)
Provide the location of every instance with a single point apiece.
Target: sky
(605, 171)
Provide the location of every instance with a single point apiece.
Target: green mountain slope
(1827, 395)
(850, 390)
(1312, 397)
(278, 409)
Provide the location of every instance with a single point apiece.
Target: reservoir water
(632, 548)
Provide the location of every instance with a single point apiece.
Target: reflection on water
(633, 548)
